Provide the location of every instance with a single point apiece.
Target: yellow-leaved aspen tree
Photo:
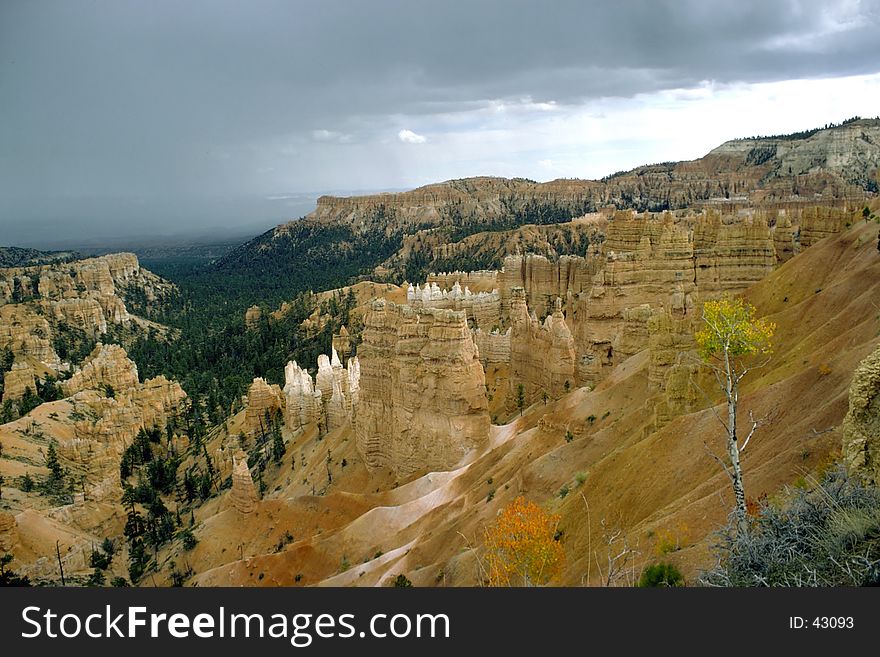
(731, 334)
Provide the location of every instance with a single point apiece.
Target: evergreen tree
(52, 462)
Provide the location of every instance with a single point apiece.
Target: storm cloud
(129, 118)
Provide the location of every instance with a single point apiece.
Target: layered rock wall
(107, 365)
(422, 400)
(40, 304)
(493, 346)
(482, 308)
(264, 403)
(542, 355)
(861, 426)
(18, 380)
(243, 494)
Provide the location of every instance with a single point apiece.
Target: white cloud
(586, 140)
(331, 135)
(410, 137)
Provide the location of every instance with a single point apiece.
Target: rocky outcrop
(839, 162)
(107, 365)
(861, 426)
(673, 366)
(482, 308)
(104, 426)
(341, 343)
(252, 317)
(330, 401)
(422, 400)
(264, 402)
(8, 532)
(542, 354)
(243, 494)
(303, 404)
(96, 278)
(494, 346)
(544, 280)
(16, 381)
(647, 263)
(731, 255)
(26, 333)
(41, 304)
(818, 222)
(481, 280)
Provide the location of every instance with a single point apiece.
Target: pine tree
(277, 444)
(52, 462)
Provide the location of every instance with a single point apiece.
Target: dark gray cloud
(148, 103)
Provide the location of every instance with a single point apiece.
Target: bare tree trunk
(60, 565)
(736, 475)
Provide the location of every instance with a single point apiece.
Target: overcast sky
(122, 118)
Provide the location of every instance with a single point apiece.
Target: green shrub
(188, 539)
(402, 582)
(661, 574)
(99, 560)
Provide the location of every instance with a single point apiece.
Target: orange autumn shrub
(521, 548)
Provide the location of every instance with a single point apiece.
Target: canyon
(557, 363)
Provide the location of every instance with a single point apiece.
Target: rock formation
(17, 380)
(107, 365)
(673, 366)
(731, 256)
(330, 401)
(542, 355)
(98, 428)
(252, 317)
(8, 533)
(26, 334)
(97, 278)
(482, 280)
(243, 494)
(342, 343)
(422, 401)
(42, 303)
(264, 402)
(544, 280)
(818, 222)
(494, 346)
(303, 404)
(835, 163)
(482, 308)
(861, 426)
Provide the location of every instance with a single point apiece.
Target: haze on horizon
(123, 120)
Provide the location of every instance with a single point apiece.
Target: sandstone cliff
(243, 495)
(107, 368)
(264, 403)
(839, 162)
(19, 379)
(861, 426)
(422, 402)
(542, 354)
(41, 304)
